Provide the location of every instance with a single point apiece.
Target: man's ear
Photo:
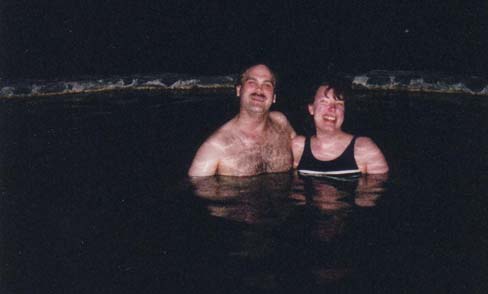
(274, 98)
(238, 90)
(310, 109)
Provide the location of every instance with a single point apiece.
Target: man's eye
(268, 86)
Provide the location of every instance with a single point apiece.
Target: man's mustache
(257, 94)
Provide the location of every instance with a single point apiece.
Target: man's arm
(297, 146)
(281, 119)
(369, 157)
(206, 161)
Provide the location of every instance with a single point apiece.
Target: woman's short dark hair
(341, 87)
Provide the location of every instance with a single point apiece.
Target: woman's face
(327, 109)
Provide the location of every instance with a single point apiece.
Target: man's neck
(255, 123)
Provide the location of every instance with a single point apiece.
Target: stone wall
(420, 82)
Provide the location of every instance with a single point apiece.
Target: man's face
(327, 109)
(257, 89)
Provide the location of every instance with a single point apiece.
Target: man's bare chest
(247, 158)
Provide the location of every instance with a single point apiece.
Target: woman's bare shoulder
(362, 141)
(369, 157)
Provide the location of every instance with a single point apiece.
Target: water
(94, 199)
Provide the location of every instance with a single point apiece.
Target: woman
(331, 150)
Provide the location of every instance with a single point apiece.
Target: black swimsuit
(345, 164)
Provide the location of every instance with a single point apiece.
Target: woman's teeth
(329, 117)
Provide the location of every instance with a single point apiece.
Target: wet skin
(255, 141)
(330, 141)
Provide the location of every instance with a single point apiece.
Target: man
(255, 141)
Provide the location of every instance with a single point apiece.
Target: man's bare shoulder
(282, 122)
(278, 117)
(208, 157)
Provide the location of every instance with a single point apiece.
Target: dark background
(48, 39)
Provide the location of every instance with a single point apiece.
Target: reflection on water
(252, 200)
(265, 197)
(275, 206)
(335, 199)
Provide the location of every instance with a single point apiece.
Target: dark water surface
(94, 199)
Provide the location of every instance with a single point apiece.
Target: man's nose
(259, 88)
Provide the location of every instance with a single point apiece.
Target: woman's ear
(310, 109)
